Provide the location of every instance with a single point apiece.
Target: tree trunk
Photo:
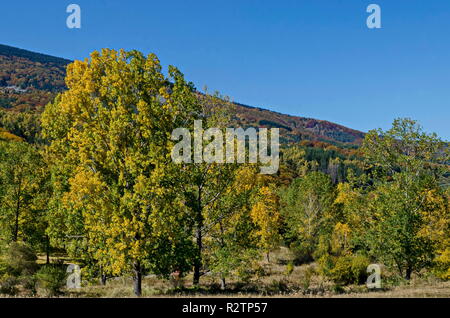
(47, 249)
(16, 223)
(137, 279)
(223, 283)
(102, 277)
(199, 219)
(268, 257)
(408, 273)
(198, 259)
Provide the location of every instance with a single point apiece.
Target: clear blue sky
(313, 58)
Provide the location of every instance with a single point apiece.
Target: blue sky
(312, 58)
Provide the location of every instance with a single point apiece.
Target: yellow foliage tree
(110, 138)
(266, 215)
(436, 215)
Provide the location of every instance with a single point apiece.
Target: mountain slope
(33, 56)
(295, 128)
(28, 81)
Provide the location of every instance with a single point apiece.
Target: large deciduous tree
(407, 213)
(110, 148)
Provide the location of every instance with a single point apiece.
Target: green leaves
(408, 167)
(406, 148)
(396, 219)
(23, 192)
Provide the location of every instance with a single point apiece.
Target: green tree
(23, 176)
(406, 148)
(25, 125)
(395, 222)
(405, 164)
(305, 205)
(232, 242)
(205, 184)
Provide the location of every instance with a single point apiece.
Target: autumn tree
(266, 215)
(110, 139)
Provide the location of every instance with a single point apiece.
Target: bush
(278, 287)
(302, 253)
(326, 264)
(289, 268)
(8, 286)
(20, 260)
(52, 279)
(29, 283)
(3, 268)
(344, 270)
(442, 265)
(349, 270)
(393, 279)
(306, 278)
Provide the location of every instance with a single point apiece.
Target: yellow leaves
(245, 178)
(86, 187)
(354, 206)
(75, 72)
(344, 193)
(436, 216)
(340, 240)
(164, 92)
(7, 136)
(117, 262)
(266, 216)
(443, 263)
(111, 135)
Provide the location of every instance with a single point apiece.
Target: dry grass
(426, 290)
(272, 280)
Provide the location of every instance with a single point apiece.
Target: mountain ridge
(34, 56)
(29, 80)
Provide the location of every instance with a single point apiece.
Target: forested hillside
(296, 128)
(28, 81)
